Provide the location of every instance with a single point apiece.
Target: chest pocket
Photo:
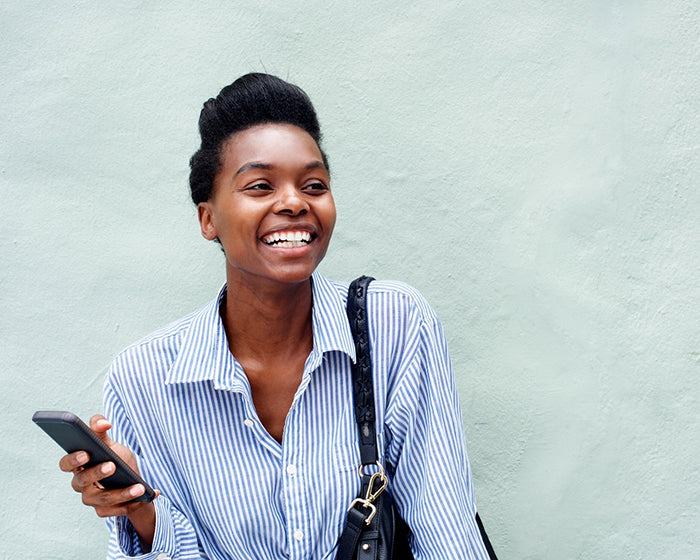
(345, 442)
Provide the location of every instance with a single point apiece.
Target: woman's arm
(173, 536)
(432, 483)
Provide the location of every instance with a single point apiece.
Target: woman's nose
(291, 202)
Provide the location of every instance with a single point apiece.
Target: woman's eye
(259, 187)
(316, 187)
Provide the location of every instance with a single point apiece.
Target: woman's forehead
(269, 145)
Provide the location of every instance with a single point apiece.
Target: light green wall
(532, 167)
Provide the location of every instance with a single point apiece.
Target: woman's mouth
(298, 238)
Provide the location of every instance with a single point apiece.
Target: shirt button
(291, 470)
(298, 534)
(248, 422)
(162, 556)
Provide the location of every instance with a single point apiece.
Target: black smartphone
(72, 434)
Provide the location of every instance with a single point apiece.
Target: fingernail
(82, 457)
(106, 468)
(136, 490)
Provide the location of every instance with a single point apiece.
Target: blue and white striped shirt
(183, 404)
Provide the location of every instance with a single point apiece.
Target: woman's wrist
(143, 520)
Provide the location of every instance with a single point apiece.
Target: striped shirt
(182, 403)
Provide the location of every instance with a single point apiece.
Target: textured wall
(531, 167)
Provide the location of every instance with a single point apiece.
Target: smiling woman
(241, 414)
(271, 207)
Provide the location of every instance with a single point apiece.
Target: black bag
(374, 529)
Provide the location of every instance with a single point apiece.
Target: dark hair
(251, 100)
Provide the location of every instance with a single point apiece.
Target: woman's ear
(206, 221)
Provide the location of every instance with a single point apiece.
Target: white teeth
(288, 238)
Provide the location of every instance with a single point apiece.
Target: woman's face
(271, 206)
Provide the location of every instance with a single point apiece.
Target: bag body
(374, 530)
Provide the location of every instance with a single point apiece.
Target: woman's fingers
(99, 424)
(85, 478)
(73, 461)
(109, 503)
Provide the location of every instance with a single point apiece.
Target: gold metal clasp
(365, 504)
(361, 468)
(377, 484)
(374, 489)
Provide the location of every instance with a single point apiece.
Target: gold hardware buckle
(361, 469)
(373, 494)
(366, 504)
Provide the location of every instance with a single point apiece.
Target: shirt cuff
(163, 540)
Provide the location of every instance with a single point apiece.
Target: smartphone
(72, 434)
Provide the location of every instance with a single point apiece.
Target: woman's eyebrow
(316, 165)
(267, 166)
(253, 165)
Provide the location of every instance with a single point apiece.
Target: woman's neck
(265, 322)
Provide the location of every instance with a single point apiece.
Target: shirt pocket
(346, 441)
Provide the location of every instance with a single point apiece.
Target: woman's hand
(109, 503)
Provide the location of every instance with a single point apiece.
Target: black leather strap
(356, 533)
(351, 534)
(363, 391)
(485, 538)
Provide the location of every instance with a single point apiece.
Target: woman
(241, 413)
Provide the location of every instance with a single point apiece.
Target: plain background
(531, 167)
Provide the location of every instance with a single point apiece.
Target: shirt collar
(204, 354)
(330, 320)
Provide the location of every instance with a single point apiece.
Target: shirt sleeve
(431, 483)
(175, 538)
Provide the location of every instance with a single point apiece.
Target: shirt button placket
(293, 483)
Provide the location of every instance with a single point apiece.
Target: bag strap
(350, 537)
(363, 399)
(362, 384)
(485, 538)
